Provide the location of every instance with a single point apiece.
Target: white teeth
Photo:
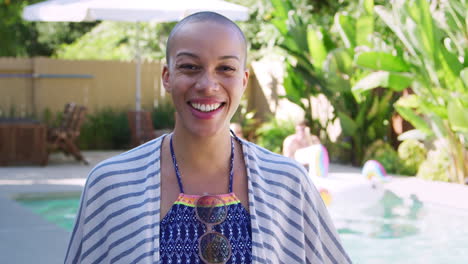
(206, 107)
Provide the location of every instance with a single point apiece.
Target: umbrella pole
(138, 82)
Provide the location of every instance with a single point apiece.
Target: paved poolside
(26, 237)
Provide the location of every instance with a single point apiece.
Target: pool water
(404, 231)
(393, 231)
(61, 211)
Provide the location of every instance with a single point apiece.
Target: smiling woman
(201, 194)
(209, 73)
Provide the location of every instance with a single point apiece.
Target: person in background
(201, 194)
(302, 138)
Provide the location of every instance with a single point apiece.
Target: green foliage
(260, 30)
(109, 128)
(271, 134)
(260, 34)
(339, 151)
(163, 115)
(385, 154)
(50, 119)
(22, 38)
(118, 41)
(52, 35)
(431, 55)
(437, 166)
(301, 79)
(14, 31)
(412, 153)
(247, 120)
(397, 81)
(316, 64)
(105, 129)
(103, 42)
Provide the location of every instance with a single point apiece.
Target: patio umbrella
(130, 11)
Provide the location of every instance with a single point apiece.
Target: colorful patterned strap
(190, 200)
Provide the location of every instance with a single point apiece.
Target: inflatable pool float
(316, 157)
(374, 171)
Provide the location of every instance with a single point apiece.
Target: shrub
(385, 154)
(105, 129)
(271, 134)
(339, 151)
(247, 120)
(437, 165)
(164, 115)
(411, 153)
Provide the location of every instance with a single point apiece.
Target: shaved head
(200, 17)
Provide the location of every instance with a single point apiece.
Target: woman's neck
(209, 156)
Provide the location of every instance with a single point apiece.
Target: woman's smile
(204, 109)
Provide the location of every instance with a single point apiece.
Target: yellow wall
(112, 84)
(15, 92)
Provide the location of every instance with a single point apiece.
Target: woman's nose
(207, 82)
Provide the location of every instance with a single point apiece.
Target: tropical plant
(437, 165)
(301, 82)
(432, 58)
(247, 120)
(385, 155)
(317, 64)
(271, 134)
(411, 153)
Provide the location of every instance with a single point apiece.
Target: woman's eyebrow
(229, 57)
(189, 54)
(185, 53)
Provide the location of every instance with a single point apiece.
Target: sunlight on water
(399, 230)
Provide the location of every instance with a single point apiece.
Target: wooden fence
(30, 86)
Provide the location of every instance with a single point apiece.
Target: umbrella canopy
(128, 10)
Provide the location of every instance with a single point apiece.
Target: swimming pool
(394, 230)
(397, 230)
(59, 210)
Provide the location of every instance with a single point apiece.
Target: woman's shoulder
(131, 161)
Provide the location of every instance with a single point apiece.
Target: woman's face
(206, 76)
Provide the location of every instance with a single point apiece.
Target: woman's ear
(245, 79)
(165, 78)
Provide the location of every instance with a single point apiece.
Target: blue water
(404, 231)
(61, 211)
(392, 231)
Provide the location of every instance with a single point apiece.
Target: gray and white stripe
(118, 219)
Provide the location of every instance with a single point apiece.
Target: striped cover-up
(118, 220)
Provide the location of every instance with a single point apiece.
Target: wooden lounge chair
(64, 137)
(145, 131)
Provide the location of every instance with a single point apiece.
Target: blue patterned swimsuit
(180, 229)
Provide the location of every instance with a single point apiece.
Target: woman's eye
(190, 67)
(227, 68)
